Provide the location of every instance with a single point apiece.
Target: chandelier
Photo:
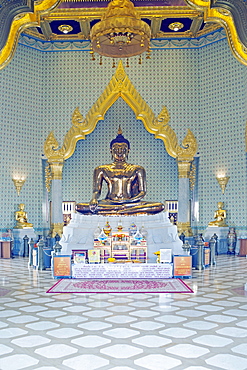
(120, 33)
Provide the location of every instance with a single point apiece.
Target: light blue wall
(203, 89)
(221, 133)
(21, 120)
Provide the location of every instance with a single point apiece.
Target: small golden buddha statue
(21, 218)
(126, 185)
(219, 216)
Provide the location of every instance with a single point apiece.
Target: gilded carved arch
(120, 86)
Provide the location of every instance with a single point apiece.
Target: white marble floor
(204, 330)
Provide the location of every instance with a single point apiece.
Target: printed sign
(61, 266)
(123, 271)
(94, 256)
(182, 266)
(165, 255)
(80, 257)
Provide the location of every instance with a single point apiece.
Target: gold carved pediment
(121, 86)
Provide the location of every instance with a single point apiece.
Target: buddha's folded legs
(121, 209)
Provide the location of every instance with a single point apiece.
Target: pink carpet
(120, 286)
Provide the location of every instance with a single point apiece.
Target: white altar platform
(18, 235)
(221, 232)
(161, 233)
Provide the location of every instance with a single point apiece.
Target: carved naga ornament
(232, 15)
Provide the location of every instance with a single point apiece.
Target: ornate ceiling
(42, 20)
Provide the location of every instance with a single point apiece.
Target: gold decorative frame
(223, 17)
(43, 12)
(22, 22)
(120, 86)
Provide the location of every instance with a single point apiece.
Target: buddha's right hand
(93, 205)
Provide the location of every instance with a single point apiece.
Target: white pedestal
(18, 235)
(79, 234)
(221, 232)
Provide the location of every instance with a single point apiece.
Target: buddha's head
(120, 147)
(220, 205)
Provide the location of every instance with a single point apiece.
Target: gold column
(57, 198)
(183, 224)
(56, 170)
(184, 169)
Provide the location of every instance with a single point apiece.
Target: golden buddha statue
(219, 216)
(21, 218)
(126, 185)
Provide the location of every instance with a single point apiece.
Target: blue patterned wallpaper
(21, 85)
(222, 107)
(203, 89)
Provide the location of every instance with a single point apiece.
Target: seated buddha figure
(219, 216)
(21, 218)
(126, 185)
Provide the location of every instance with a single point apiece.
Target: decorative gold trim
(192, 176)
(56, 228)
(184, 168)
(51, 149)
(224, 18)
(89, 14)
(21, 23)
(160, 12)
(184, 227)
(209, 28)
(195, 8)
(56, 170)
(48, 178)
(120, 86)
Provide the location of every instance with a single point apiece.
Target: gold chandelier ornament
(18, 182)
(120, 33)
(222, 180)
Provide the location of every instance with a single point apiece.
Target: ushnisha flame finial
(120, 131)
(120, 138)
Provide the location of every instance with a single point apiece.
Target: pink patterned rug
(120, 286)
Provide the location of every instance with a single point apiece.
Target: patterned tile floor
(204, 330)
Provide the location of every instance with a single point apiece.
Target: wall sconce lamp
(18, 182)
(222, 180)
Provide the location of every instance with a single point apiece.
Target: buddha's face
(119, 152)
